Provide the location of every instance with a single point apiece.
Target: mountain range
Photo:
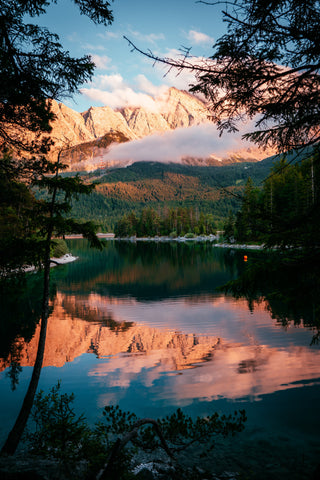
(157, 175)
(88, 136)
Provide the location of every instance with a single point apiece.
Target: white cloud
(146, 37)
(199, 37)
(144, 84)
(108, 82)
(107, 35)
(113, 91)
(101, 61)
(172, 76)
(120, 97)
(92, 48)
(197, 141)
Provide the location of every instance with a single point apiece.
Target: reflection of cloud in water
(233, 372)
(215, 315)
(233, 354)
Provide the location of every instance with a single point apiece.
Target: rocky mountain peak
(90, 134)
(174, 109)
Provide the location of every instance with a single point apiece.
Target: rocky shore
(29, 467)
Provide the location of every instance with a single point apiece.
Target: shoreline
(201, 238)
(214, 239)
(75, 236)
(54, 262)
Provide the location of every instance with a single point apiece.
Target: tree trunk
(108, 470)
(14, 436)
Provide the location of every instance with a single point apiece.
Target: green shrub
(57, 432)
(59, 248)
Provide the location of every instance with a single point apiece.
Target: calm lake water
(142, 325)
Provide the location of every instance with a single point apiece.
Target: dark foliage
(289, 283)
(284, 212)
(56, 431)
(265, 67)
(35, 69)
(173, 222)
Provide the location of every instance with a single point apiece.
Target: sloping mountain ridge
(211, 189)
(86, 137)
(176, 109)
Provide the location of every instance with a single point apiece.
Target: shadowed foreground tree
(285, 211)
(50, 221)
(35, 70)
(107, 449)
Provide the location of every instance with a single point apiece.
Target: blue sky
(124, 77)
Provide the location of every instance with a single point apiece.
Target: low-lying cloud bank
(199, 141)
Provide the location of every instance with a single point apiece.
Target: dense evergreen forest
(210, 190)
(174, 221)
(284, 211)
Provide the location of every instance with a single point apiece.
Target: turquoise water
(143, 325)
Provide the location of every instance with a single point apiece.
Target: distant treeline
(169, 221)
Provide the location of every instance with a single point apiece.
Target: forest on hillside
(210, 190)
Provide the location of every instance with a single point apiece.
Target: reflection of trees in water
(150, 270)
(290, 286)
(20, 306)
(85, 312)
(15, 369)
(176, 254)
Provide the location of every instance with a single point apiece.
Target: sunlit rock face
(181, 109)
(102, 120)
(172, 110)
(84, 138)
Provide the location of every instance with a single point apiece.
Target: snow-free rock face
(69, 127)
(183, 109)
(143, 122)
(172, 110)
(102, 120)
(85, 138)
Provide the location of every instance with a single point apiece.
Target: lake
(143, 325)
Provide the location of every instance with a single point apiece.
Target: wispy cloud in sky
(92, 47)
(103, 62)
(146, 37)
(107, 35)
(113, 91)
(199, 38)
(144, 85)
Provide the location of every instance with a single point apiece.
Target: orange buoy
(245, 258)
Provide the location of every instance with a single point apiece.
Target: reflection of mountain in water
(69, 336)
(126, 349)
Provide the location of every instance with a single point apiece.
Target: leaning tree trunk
(108, 469)
(15, 435)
